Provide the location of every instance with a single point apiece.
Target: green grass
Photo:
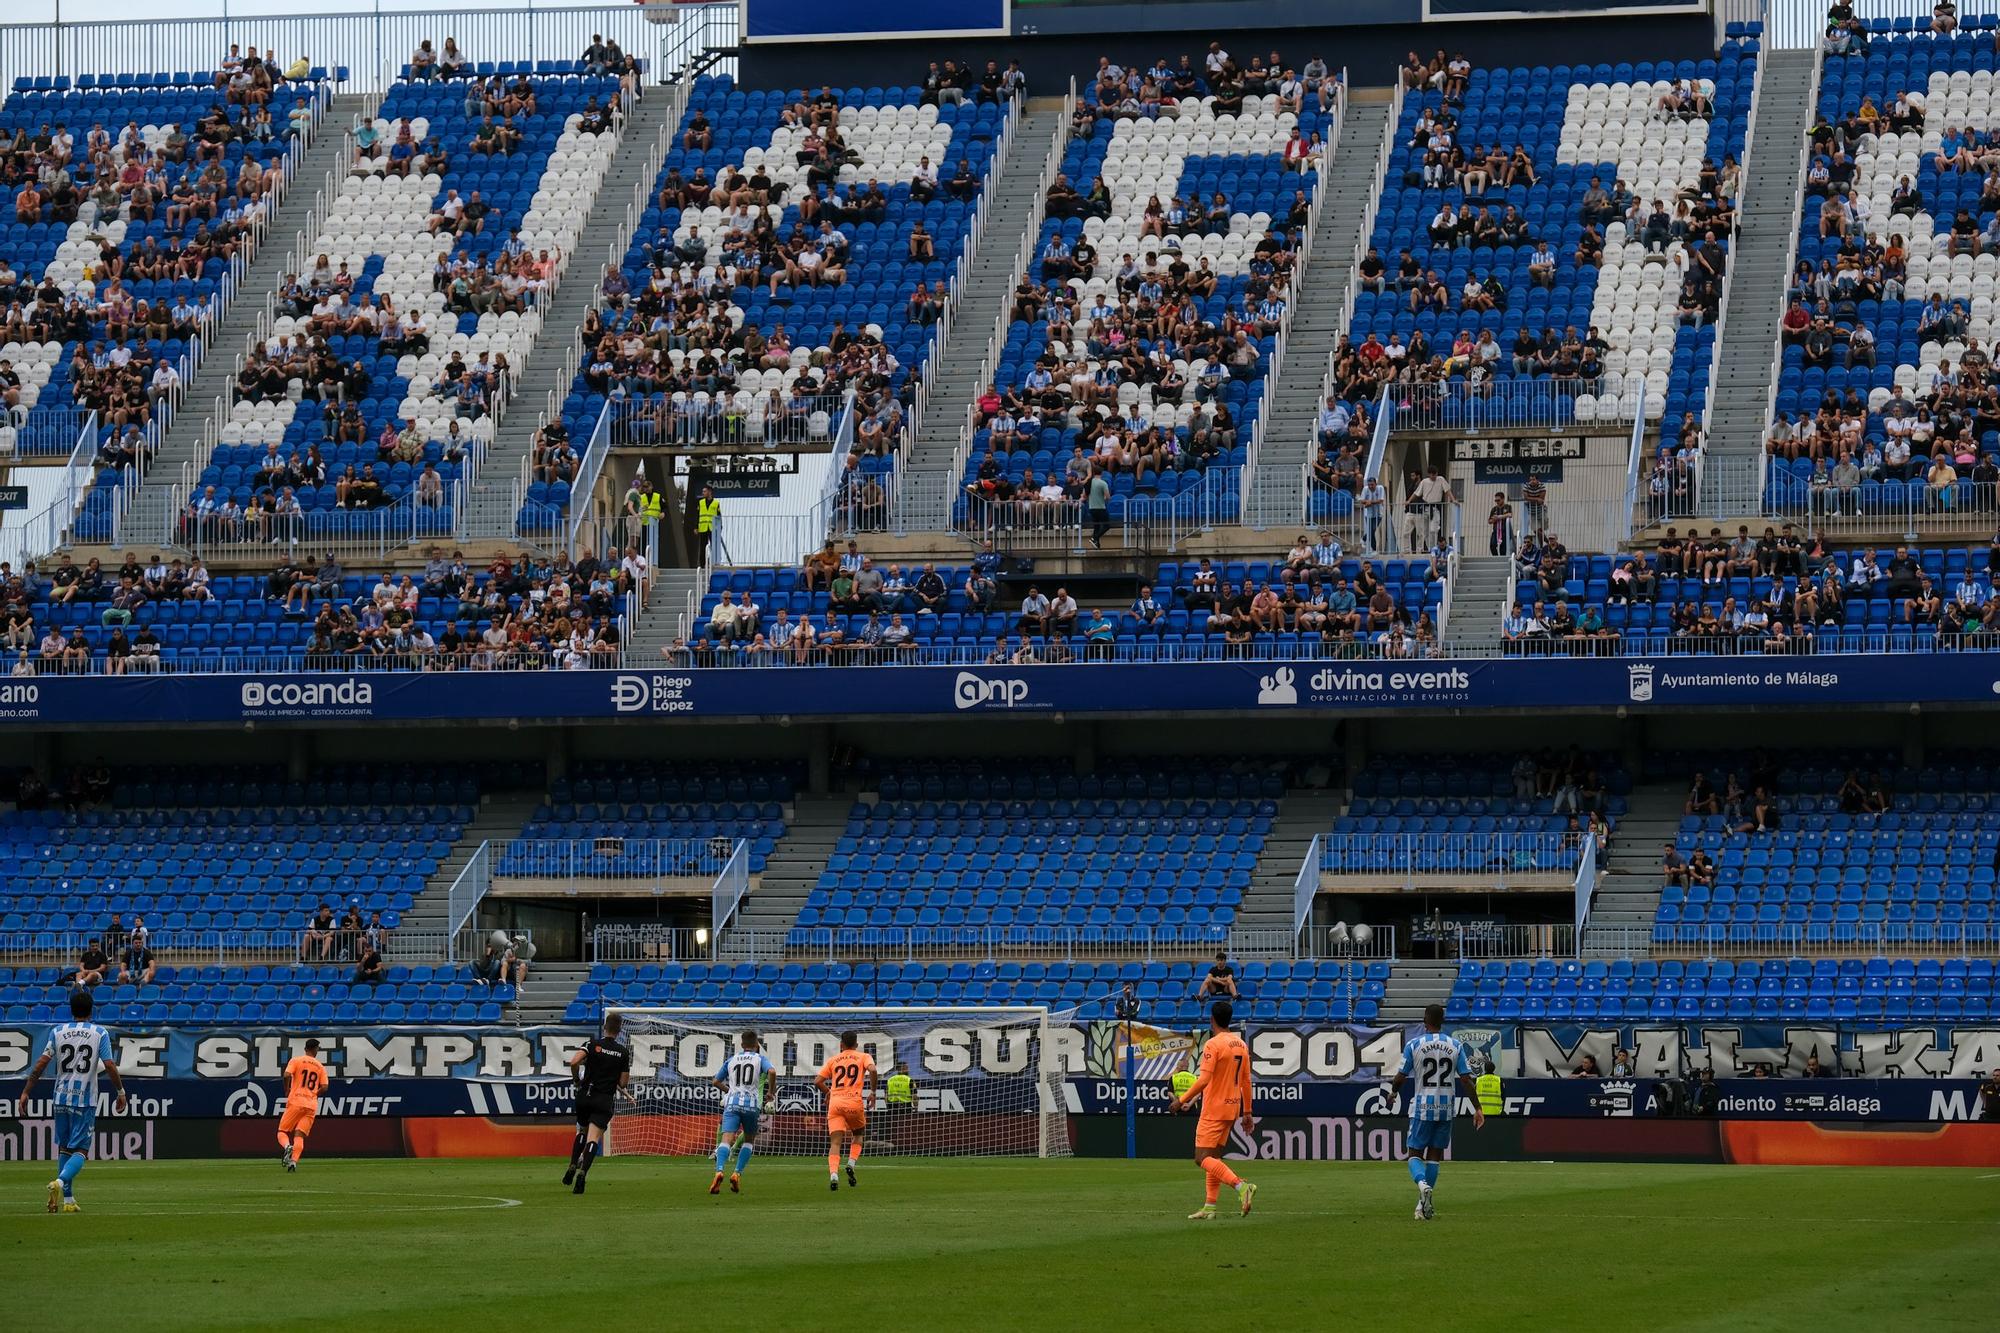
(930, 1245)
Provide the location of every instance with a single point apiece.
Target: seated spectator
(368, 965)
(1220, 980)
(136, 963)
(90, 965)
(317, 941)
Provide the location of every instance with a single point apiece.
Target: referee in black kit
(601, 1069)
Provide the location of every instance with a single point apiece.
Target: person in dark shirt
(602, 1070)
(1220, 981)
(1989, 1098)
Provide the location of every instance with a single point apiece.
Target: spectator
(368, 964)
(90, 965)
(136, 964)
(1814, 1069)
(1220, 982)
(1588, 1069)
(1989, 1098)
(319, 935)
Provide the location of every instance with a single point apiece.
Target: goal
(987, 1080)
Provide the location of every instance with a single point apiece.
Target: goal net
(985, 1081)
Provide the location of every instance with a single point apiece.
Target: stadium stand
(725, 323)
(690, 802)
(111, 275)
(1770, 989)
(1274, 992)
(1200, 608)
(1880, 406)
(1460, 812)
(1581, 160)
(1128, 852)
(164, 615)
(1158, 283)
(423, 291)
(1841, 854)
(1772, 592)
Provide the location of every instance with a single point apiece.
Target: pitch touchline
(483, 1203)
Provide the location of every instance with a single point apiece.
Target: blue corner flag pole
(1131, 1100)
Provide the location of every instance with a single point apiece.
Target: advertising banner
(1248, 688)
(1303, 1052)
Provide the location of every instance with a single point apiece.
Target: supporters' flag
(1156, 1052)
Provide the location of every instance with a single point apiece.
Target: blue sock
(72, 1165)
(1430, 1173)
(1417, 1170)
(722, 1157)
(743, 1151)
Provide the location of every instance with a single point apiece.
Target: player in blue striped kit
(747, 1083)
(79, 1049)
(1438, 1063)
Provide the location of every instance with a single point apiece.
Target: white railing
(1796, 223)
(230, 948)
(1788, 939)
(1341, 940)
(1586, 883)
(906, 517)
(1514, 404)
(1496, 858)
(370, 45)
(462, 899)
(47, 530)
(1495, 939)
(1451, 567)
(1363, 235)
(1305, 885)
(1729, 260)
(589, 514)
(960, 274)
(732, 885)
(1618, 521)
(614, 857)
(678, 95)
(1268, 398)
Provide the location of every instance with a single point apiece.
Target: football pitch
(996, 1244)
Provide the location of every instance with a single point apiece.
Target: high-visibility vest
(1488, 1086)
(649, 506)
(1183, 1080)
(708, 512)
(901, 1088)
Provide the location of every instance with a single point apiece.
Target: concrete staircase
(1412, 985)
(1277, 487)
(989, 289)
(547, 995)
(659, 621)
(1267, 905)
(1758, 252)
(791, 871)
(499, 818)
(1483, 581)
(146, 523)
(489, 512)
(1628, 890)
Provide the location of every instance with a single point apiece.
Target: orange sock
(853, 1152)
(1219, 1172)
(284, 1141)
(298, 1147)
(1211, 1186)
(833, 1163)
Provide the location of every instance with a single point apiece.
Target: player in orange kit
(848, 1080)
(305, 1079)
(1224, 1090)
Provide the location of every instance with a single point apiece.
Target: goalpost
(987, 1080)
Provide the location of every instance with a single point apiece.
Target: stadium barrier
(1820, 939)
(199, 946)
(613, 857)
(1496, 858)
(654, 944)
(371, 46)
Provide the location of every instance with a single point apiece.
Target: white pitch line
(483, 1203)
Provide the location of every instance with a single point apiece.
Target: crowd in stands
(525, 613)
